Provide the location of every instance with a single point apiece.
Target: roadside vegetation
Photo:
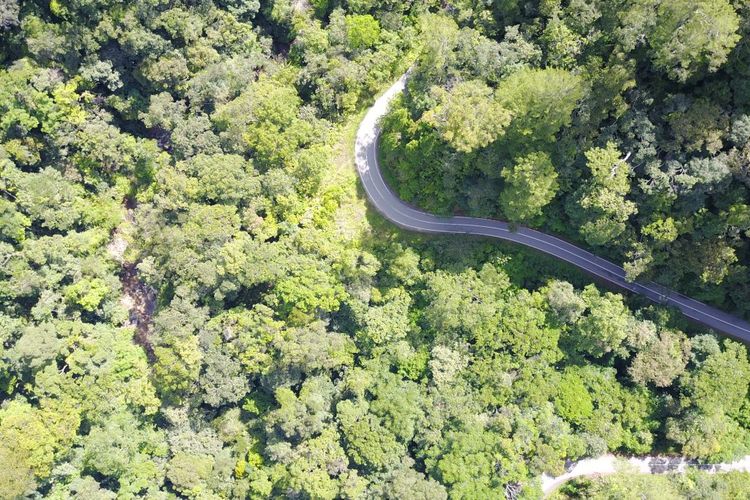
(266, 335)
(623, 127)
(693, 484)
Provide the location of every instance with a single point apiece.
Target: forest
(197, 302)
(622, 129)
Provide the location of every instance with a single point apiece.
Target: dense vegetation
(263, 335)
(694, 484)
(621, 125)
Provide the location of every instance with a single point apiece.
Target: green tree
(605, 326)
(471, 458)
(662, 360)
(362, 31)
(466, 305)
(601, 206)
(31, 441)
(562, 44)
(711, 436)
(466, 132)
(720, 382)
(407, 482)
(369, 444)
(623, 418)
(573, 401)
(189, 473)
(388, 323)
(531, 183)
(437, 58)
(681, 44)
(128, 451)
(565, 304)
(541, 102)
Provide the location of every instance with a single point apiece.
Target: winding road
(403, 215)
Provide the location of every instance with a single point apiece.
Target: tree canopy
(195, 301)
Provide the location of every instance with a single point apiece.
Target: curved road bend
(394, 209)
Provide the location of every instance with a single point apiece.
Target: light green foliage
(362, 31)
(445, 365)
(605, 325)
(304, 415)
(405, 266)
(388, 323)
(661, 230)
(87, 293)
(525, 330)
(566, 305)
(45, 106)
(220, 178)
(188, 473)
(713, 436)
(541, 102)
(126, 450)
(712, 396)
(714, 262)
(608, 168)
(466, 306)
(562, 44)
(251, 333)
(309, 291)
(693, 36)
(312, 347)
(13, 223)
(467, 130)
(468, 461)
(602, 200)
(31, 439)
(720, 382)
(573, 401)
(408, 482)
(531, 183)
(622, 417)
(700, 127)
(440, 38)
(662, 360)
(369, 444)
(273, 107)
(627, 483)
(310, 471)
(178, 355)
(46, 198)
(167, 71)
(608, 82)
(613, 210)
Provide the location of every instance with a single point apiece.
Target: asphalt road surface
(403, 215)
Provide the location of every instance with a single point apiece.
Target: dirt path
(138, 298)
(610, 464)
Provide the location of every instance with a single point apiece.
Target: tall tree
(464, 131)
(531, 183)
(693, 36)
